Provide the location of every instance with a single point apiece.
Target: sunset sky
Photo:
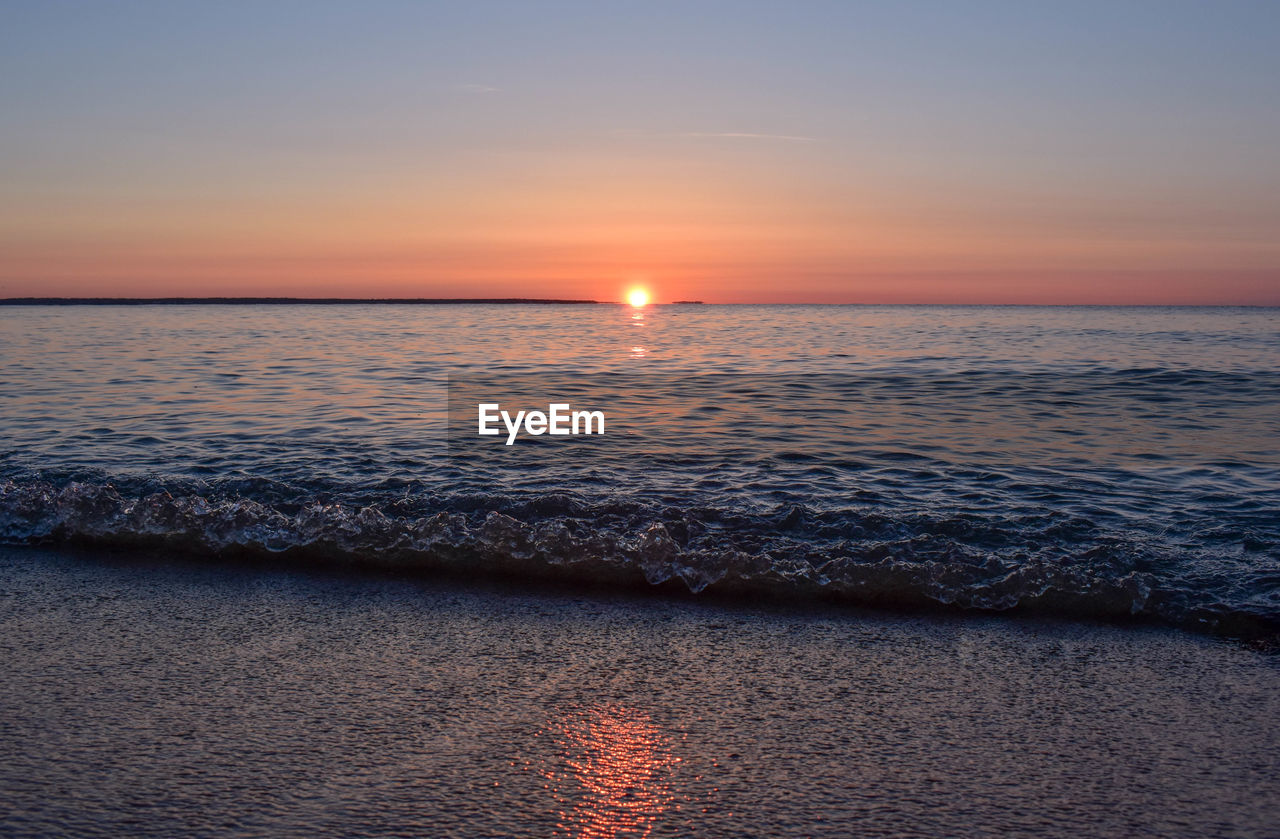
(1006, 152)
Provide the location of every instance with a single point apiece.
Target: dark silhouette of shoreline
(245, 301)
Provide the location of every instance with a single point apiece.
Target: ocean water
(1092, 461)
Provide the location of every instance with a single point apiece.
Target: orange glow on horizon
(769, 238)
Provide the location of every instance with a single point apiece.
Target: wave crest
(785, 554)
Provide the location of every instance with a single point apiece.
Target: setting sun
(638, 297)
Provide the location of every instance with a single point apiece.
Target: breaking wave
(1046, 563)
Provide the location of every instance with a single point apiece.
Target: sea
(827, 571)
(1104, 462)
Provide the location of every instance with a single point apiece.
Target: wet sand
(145, 697)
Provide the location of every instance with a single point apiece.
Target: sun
(638, 297)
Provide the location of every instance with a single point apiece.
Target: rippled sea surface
(1091, 461)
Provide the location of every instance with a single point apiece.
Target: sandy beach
(150, 697)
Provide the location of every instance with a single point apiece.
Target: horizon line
(165, 301)
(445, 301)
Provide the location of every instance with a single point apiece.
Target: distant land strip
(246, 301)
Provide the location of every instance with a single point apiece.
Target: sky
(845, 152)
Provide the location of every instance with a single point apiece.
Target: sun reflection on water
(638, 351)
(613, 773)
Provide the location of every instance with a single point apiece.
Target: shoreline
(1256, 636)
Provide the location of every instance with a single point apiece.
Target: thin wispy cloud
(478, 88)
(718, 135)
(743, 135)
